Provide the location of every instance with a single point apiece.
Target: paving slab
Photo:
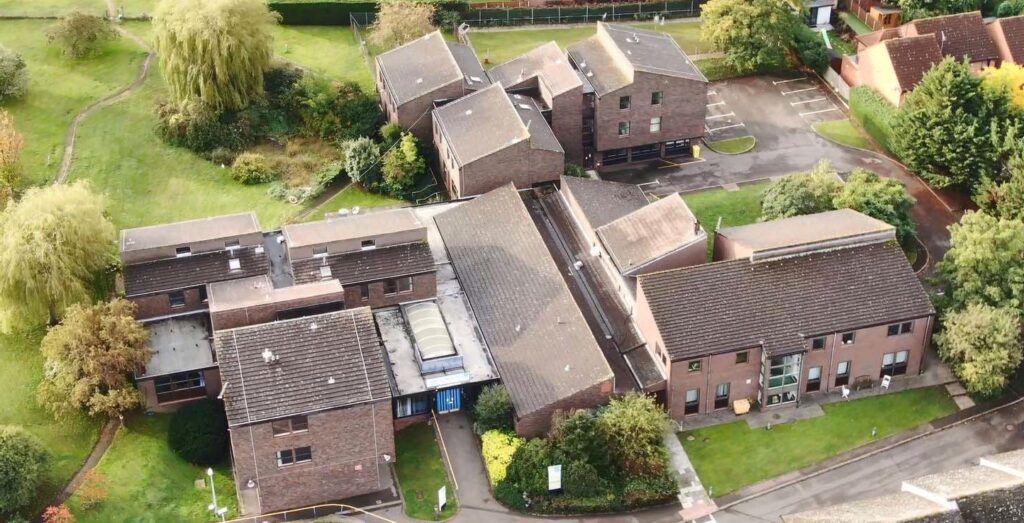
(955, 389)
(963, 402)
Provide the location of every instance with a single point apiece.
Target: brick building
(518, 146)
(1008, 35)
(251, 301)
(795, 314)
(643, 97)
(380, 258)
(414, 78)
(309, 410)
(541, 343)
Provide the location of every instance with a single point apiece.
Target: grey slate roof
(341, 346)
(547, 62)
(739, 304)
(418, 67)
(831, 229)
(538, 337)
(603, 201)
(490, 120)
(192, 271)
(650, 232)
(473, 75)
(369, 265)
(189, 231)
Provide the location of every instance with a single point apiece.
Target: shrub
(93, 489)
(1010, 8)
(648, 490)
(578, 435)
(362, 161)
(23, 462)
(196, 127)
(58, 514)
(493, 409)
(199, 432)
(634, 427)
(80, 35)
(222, 156)
(875, 114)
(528, 470)
(13, 75)
(251, 169)
(498, 447)
(575, 171)
(810, 48)
(448, 19)
(280, 82)
(802, 193)
(581, 479)
(336, 110)
(402, 167)
(390, 134)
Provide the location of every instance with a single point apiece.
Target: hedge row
(875, 114)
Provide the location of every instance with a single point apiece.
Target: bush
(575, 171)
(634, 427)
(199, 432)
(528, 470)
(362, 161)
(648, 490)
(402, 166)
(23, 463)
(13, 75)
(803, 193)
(251, 169)
(390, 134)
(493, 409)
(80, 35)
(58, 514)
(222, 156)
(498, 447)
(1010, 8)
(332, 110)
(93, 489)
(197, 128)
(810, 48)
(448, 19)
(875, 114)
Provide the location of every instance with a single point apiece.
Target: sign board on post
(442, 498)
(554, 477)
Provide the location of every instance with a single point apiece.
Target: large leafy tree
(90, 360)
(362, 161)
(951, 131)
(23, 463)
(983, 345)
(984, 264)
(403, 165)
(399, 21)
(214, 50)
(753, 34)
(1006, 199)
(633, 426)
(13, 75)
(803, 193)
(80, 35)
(882, 198)
(53, 242)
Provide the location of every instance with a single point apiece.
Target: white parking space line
(821, 111)
(822, 99)
(716, 103)
(719, 116)
(784, 93)
(790, 80)
(725, 127)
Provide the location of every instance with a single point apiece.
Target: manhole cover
(1010, 427)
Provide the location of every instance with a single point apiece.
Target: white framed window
(283, 427)
(656, 124)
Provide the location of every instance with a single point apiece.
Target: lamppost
(218, 510)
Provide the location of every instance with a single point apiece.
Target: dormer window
(235, 264)
(231, 244)
(320, 252)
(368, 244)
(325, 272)
(181, 252)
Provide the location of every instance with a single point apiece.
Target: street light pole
(213, 491)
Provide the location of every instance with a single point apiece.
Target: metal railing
(315, 511)
(361, 42)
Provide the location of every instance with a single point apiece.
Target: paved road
(786, 143)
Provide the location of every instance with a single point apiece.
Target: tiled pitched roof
(537, 335)
(324, 362)
(650, 232)
(602, 201)
(738, 304)
(473, 75)
(192, 271)
(911, 58)
(957, 35)
(546, 61)
(419, 67)
(1011, 31)
(369, 265)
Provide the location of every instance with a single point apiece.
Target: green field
(51, 7)
(733, 207)
(731, 456)
(329, 50)
(69, 443)
(149, 483)
(421, 472)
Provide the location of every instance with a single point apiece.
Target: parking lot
(809, 99)
(721, 122)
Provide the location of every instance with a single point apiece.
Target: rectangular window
(202, 294)
(368, 244)
(180, 386)
(657, 97)
(900, 328)
(843, 373)
(623, 128)
(177, 299)
(818, 343)
(390, 287)
(181, 252)
(656, 124)
(292, 456)
(848, 338)
(742, 357)
(693, 366)
(624, 102)
(412, 405)
(779, 399)
(231, 244)
(364, 291)
(405, 284)
(814, 379)
(692, 402)
(784, 370)
(722, 396)
(320, 251)
(894, 363)
(283, 427)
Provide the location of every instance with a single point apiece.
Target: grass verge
(328, 50)
(843, 132)
(733, 207)
(147, 482)
(51, 7)
(733, 145)
(718, 69)
(732, 456)
(353, 195)
(421, 472)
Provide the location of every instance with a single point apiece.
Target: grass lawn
(149, 483)
(733, 207)
(51, 7)
(844, 132)
(421, 472)
(841, 46)
(59, 88)
(855, 23)
(731, 456)
(330, 50)
(69, 442)
(733, 145)
(351, 196)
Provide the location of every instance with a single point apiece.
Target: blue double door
(448, 400)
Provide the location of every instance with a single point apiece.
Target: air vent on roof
(583, 63)
(629, 52)
(259, 249)
(419, 80)
(524, 106)
(269, 356)
(330, 380)
(476, 79)
(312, 326)
(235, 264)
(590, 74)
(325, 271)
(469, 112)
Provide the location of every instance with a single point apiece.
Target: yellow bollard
(696, 151)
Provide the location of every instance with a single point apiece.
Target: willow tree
(215, 51)
(53, 244)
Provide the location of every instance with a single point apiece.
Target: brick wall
(682, 112)
(518, 164)
(347, 446)
(567, 123)
(211, 379)
(156, 305)
(743, 380)
(538, 422)
(424, 286)
(267, 312)
(418, 110)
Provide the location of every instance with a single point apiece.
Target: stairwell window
(656, 124)
(624, 102)
(623, 128)
(692, 402)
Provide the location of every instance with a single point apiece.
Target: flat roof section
(844, 225)
(259, 290)
(178, 233)
(363, 225)
(180, 344)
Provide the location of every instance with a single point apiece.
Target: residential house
(183, 367)
(1008, 35)
(380, 259)
(308, 404)
(643, 97)
(957, 35)
(892, 67)
(490, 138)
(541, 344)
(545, 75)
(793, 315)
(414, 78)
